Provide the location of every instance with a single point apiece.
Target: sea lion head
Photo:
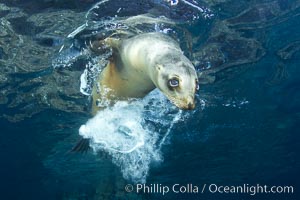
(178, 80)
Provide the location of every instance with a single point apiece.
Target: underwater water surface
(244, 130)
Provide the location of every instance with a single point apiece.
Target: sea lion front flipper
(82, 146)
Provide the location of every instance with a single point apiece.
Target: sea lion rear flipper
(113, 42)
(100, 46)
(82, 146)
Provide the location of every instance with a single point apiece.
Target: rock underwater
(30, 41)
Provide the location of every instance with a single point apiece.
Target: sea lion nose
(190, 103)
(191, 106)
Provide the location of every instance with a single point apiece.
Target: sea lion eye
(174, 82)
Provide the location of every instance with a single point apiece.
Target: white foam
(97, 5)
(206, 12)
(118, 129)
(84, 82)
(77, 30)
(132, 133)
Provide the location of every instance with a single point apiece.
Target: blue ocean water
(245, 133)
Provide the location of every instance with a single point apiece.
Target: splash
(206, 12)
(132, 133)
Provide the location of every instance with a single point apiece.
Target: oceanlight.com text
(250, 189)
(208, 188)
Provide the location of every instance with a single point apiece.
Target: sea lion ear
(158, 67)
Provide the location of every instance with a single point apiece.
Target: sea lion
(142, 63)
